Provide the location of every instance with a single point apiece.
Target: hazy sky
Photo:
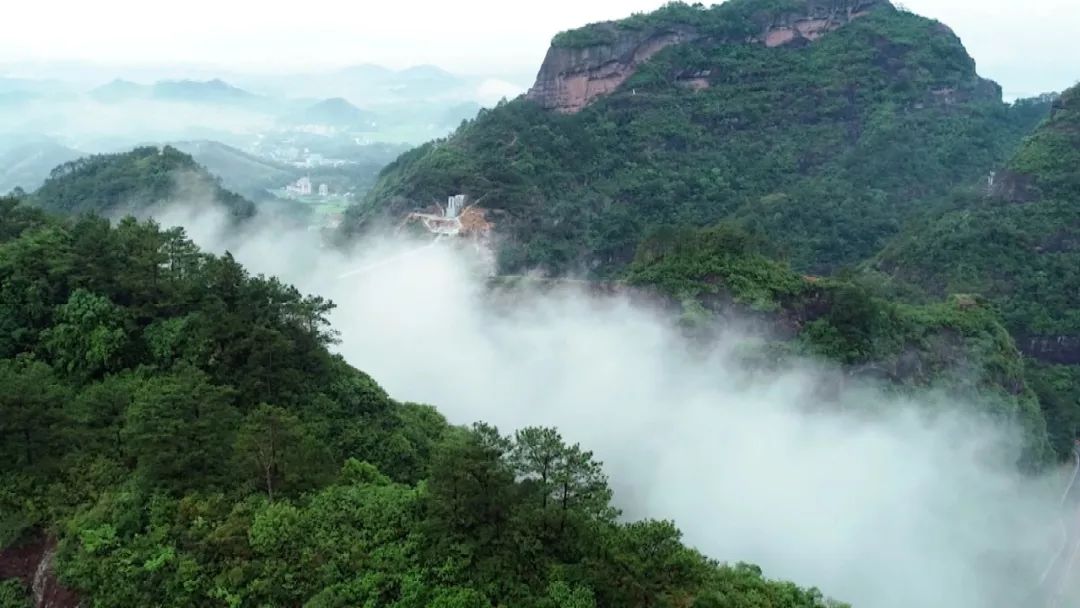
(1028, 47)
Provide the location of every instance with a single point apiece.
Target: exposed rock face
(1014, 187)
(32, 562)
(820, 18)
(570, 78)
(1062, 350)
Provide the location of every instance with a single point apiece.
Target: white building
(324, 190)
(302, 187)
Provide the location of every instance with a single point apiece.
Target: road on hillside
(1054, 583)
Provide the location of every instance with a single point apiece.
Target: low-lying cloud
(878, 500)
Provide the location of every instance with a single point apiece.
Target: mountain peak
(592, 61)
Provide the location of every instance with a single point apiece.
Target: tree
(180, 428)
(273, 446)
(89, 337)
(31, 399)
(566, 479)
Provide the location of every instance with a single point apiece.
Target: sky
(1027, 47)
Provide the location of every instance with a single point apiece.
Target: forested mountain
(336, 112)
(246, 174)
(189, 91)
(25, 161)
(821, 124)
(132, 182)
(176, 433)
(1017, 242)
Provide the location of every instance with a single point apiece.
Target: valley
(750, 305)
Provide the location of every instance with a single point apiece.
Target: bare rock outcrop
(819, 18)
(1060, 349)
(33, 562)
(571, 78)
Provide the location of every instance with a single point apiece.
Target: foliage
(826, 149)
(959, 346)
(182, 429)
(130, 182)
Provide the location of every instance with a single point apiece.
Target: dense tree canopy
(131, 182)
(180, 427)
(826, 148)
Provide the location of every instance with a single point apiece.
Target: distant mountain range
(333, 112)
(191, 91)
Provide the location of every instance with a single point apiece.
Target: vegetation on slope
(826, 148)
(181, 428)
(958, 346)
(1020, 245)
(132, 182)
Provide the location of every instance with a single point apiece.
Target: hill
(1016, 242)
(334, 112)
(25, 162)
(186, 91)
(177, 433)
(246, 174)
(133, 182)
(821, 124)
(119, 90)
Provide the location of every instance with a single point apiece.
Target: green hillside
(132, 182)
(826, 148)
(1018, 244)
(179, 428)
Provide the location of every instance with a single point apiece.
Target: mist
(877, 499)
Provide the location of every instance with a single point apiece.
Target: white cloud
(878, 500)
(1029, 47)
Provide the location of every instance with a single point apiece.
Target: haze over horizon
(126, 35)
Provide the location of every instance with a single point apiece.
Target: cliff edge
(585, 64)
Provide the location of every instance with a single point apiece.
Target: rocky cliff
(32, 562)
(571, 78)
(585, 64)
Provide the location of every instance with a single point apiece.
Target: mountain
(119, 90)
(1015, 241)
(821, 124)
(214, 91)
(335, 112)
(25, 162)
(177, 431)
(246, 174)
(211, 91)
(956, 345)
(132, 183)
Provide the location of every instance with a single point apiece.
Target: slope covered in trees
(1018, 244)
(132, 182)
(178, 427)
(827, 147)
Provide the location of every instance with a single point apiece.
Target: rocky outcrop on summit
(571, 78)
(601, 57)
(820, 18)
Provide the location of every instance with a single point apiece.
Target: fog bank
(877, 500)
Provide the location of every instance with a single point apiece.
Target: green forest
(868, 195)
(827, 150)
(132, 182)
(177, 431)
(180, 428)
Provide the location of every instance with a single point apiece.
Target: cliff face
(819, 18)
(33, 563)
(572, 77)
